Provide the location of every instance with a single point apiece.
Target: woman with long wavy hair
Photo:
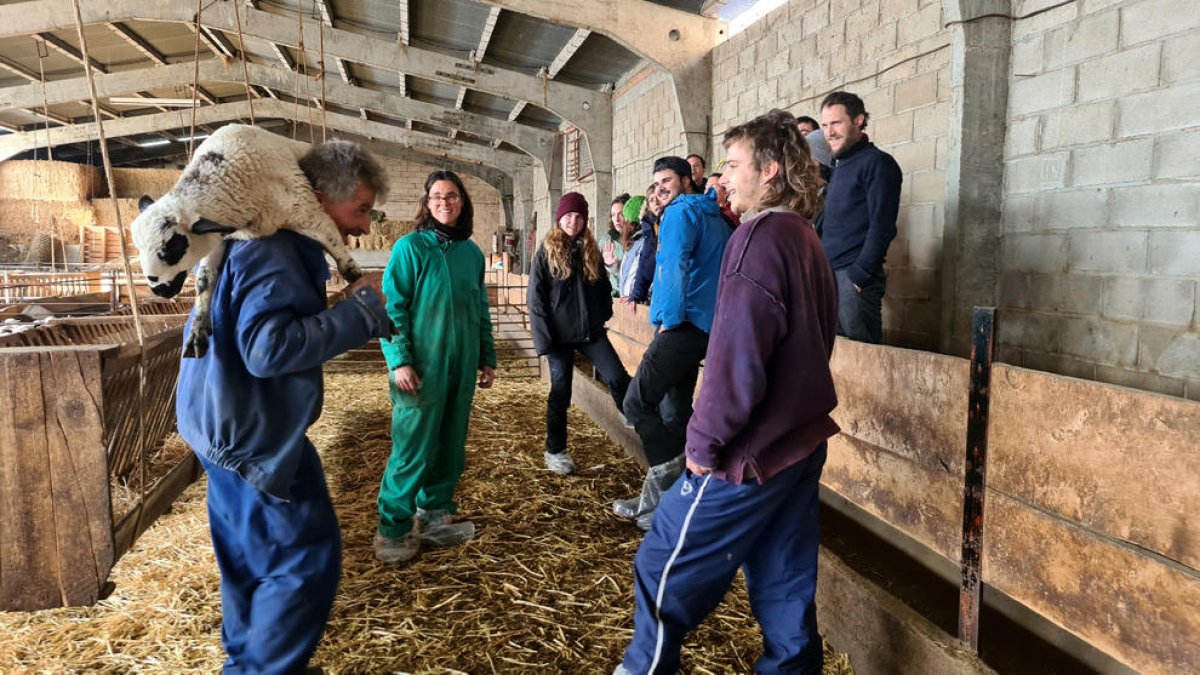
(570, 299)
(442, 349)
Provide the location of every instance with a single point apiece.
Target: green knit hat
(633, 208)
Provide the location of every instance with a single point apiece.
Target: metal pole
(975, 487)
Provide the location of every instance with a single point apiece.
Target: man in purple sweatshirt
(756, 443)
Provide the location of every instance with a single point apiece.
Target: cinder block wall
(896, 55)
(407, 182)
(645, 127)
(1101, 228)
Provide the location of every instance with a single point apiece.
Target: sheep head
(171, 239)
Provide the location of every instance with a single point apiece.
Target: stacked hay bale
(129, 185)
(384, 233)
(44, 197)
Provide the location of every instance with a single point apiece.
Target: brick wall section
(408, 179)
(893, 53)
(1101, 254)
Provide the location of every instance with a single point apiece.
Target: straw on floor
(545, 587)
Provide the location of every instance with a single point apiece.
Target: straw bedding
(546, 586)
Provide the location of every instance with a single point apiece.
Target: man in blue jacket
(691, 240)
(246, 405)
(756, 446)
(861, 205)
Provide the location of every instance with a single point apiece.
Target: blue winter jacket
(247, 404)
(691, 242)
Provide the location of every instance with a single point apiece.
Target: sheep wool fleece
(437, 299)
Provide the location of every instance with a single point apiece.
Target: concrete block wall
(895, 54)
(645, 127)
(1101, 224)
(408, 180)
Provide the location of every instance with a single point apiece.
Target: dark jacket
(247, 403)
(861, 205)
(768, 390)
(644, 277)
(566, 311)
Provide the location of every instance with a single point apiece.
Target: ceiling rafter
(284, 56)
(582, 106)
(156, 56)
(216, 42)
(19, 70)
(517, 110)
(568, 50)
(16, 143)
(70, 52)
(527, 138)
(485, 37)
(560, 61)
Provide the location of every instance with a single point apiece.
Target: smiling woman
(438, 301)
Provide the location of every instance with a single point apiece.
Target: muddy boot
(659, 478)
(434, 528)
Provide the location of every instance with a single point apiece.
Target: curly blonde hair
(775, 138)
(560, 250)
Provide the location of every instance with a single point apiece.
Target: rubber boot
(659, 479)
(434, 528)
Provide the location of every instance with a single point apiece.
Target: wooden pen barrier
(1088, 510)
(74, 423)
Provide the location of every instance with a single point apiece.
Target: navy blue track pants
(704, 530)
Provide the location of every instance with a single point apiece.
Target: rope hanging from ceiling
(133, 298)
(237, 15)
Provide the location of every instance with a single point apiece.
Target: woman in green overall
(437, 299)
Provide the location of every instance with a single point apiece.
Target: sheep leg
(318, 226)
(196, 345)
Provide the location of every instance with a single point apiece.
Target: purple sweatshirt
(767, 391)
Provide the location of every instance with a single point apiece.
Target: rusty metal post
(982, 330)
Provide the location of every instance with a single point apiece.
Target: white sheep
(243, 183)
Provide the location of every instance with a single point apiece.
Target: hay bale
(133, 183)
(105, 215)
(20, 219)
(49, 181)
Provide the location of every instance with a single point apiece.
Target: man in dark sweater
(756, 444)
(861, 204)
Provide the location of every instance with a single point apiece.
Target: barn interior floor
(545, 587)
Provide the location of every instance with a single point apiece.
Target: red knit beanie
(572, 202)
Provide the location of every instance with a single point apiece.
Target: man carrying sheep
(245, 408)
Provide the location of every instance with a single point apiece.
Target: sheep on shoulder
(243, 183)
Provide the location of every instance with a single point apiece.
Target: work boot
(434, 528)
(659, 478)
(559, 462)
(391, 550)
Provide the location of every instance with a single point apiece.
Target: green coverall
(437, 299)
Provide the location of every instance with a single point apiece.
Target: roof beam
(564, 99)
(284, 57)
(403, 36)
(485, 37)
(527, 138)
(70, 52)
(567, 52)
(19, 70)
(139, 43)
(154, 55)
(516, 111)
(13, 144)
(627, 24)
(216, 41)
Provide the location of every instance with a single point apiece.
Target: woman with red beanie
(570, 299)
